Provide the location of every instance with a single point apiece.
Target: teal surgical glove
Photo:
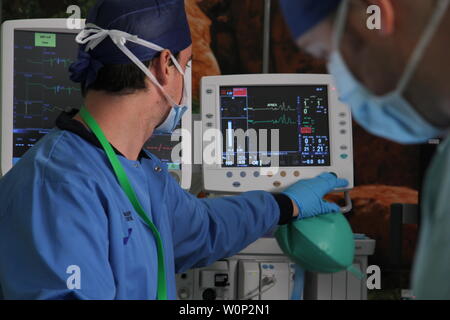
(308, 195)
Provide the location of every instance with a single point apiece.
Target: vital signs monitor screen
(42, 88)
(300, 113)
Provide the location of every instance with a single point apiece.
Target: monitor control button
(343, 123)
(277, 184)
(209, 91)
(236, 184)
(344, 148)
(296, 173)
(209, 116)
(270, 174)
(256, 174)
(229, 174)
(283, 174)
(243, 174)
(342, 114)
(209, 124)
(344, 156)
(343, 131)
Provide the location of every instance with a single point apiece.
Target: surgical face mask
(93, 36)
(389, 116)
(176, 112)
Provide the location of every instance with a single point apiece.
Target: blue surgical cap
(303, 15)
(162, 22)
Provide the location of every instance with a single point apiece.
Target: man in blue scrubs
(69, 231)
(390, 64)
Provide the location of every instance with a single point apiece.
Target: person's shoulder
(438, 173)
(66, 154)
(441, 161)
(60, 157)
(444, 148)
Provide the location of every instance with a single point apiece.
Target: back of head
(106, 67)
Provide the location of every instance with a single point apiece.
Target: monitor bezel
(213, 174)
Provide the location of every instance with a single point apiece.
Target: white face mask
(390, 116)
(92, 36)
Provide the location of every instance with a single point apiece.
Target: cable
(268, 282)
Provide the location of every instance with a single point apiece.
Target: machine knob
(209, 294)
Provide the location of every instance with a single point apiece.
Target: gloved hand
(308, 195)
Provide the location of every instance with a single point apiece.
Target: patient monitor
(314, 136)
(314, 131)
(36, 88)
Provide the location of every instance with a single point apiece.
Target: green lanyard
(128, 189)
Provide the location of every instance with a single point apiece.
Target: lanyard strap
(129, 191)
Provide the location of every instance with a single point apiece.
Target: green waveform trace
(281, 107)
(46, 109)
(53, 62)
(282, 120)
(55, 89)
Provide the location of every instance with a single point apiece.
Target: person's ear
(161, 67)
(387, 13)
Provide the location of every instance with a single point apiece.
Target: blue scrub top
(61, 206)
(432, 261)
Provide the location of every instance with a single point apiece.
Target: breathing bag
(323, 244)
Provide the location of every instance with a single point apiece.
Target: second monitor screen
(42, 90)
(300, 113)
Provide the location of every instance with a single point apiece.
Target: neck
(125, 120)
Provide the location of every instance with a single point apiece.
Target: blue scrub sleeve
(432, 260)
(207, 230)
(57, 240)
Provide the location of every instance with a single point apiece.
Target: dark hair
(120, 79)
